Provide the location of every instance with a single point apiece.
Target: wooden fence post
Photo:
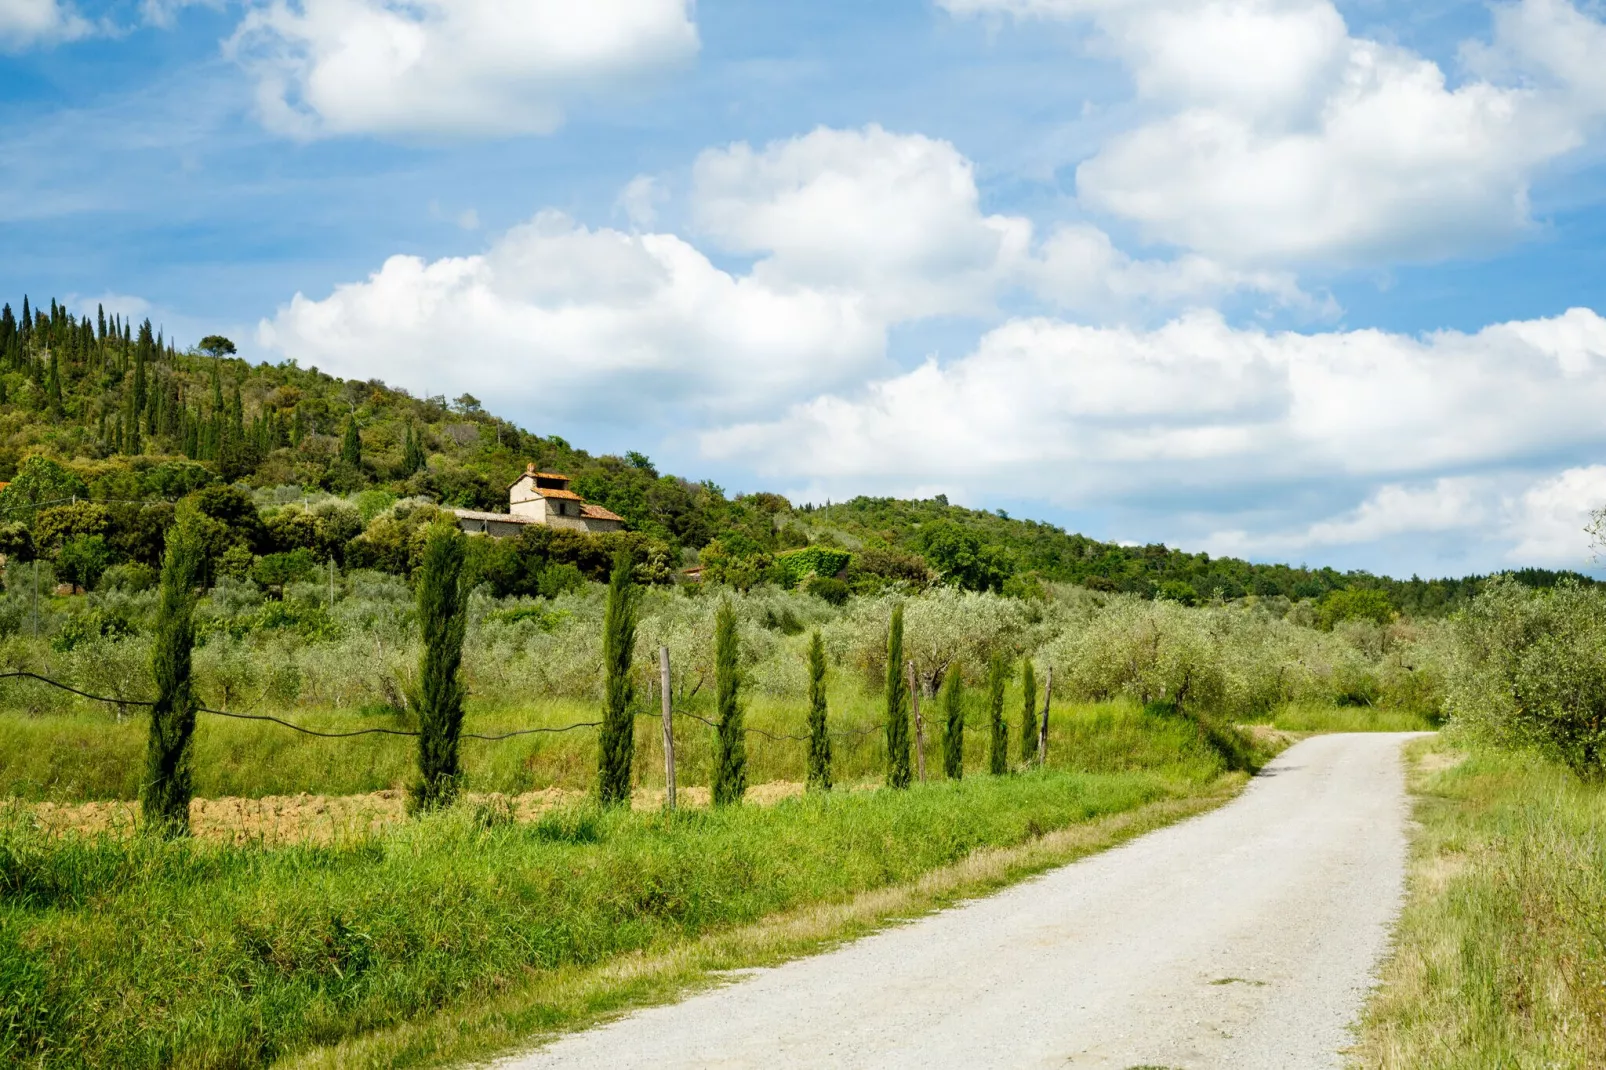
(669, 728)
(920, 724)
(1042, 725)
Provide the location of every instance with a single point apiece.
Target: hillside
(133, 422)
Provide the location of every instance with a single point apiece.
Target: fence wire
(794, 737)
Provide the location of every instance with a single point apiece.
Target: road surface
(1243, 938)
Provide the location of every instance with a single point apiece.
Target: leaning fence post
(1042, 724)
(920, 724)
(669, 728)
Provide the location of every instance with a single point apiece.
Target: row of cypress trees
(439, 696)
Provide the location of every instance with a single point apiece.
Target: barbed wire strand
(778, 737)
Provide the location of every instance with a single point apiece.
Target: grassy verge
(1500, 956)
(126, 952)
(575, 997)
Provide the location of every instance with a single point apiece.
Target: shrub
(1529, 671)
(823, 561)
(819, 737)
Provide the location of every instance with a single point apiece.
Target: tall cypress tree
(413, 458)
(953, 724)
(897, 694)
(439, 697)
(819, 737)
(165, 792)
(730, 773)
(998, 745)
(1028, 712)
(616, 742)
(351, 444)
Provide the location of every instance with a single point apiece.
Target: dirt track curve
(1243, 938)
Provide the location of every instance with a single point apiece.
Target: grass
(130, 953)
(76, 757)
(1331, 718)
(1500, 956)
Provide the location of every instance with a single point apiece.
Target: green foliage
(167, 787)
(819, 736)
(953, 723)
(1530, 672)
(439, 696)
(82, 560)
(730, 771)
(794, 566)
(1028, 713)
(899, 774)
(351, 444)
(41, 481)
(998, 738)
(616, 740)
(962, 556)
(276, 570)
(1355, 603)
(216, 345)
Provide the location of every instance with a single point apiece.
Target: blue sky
(1288, 279)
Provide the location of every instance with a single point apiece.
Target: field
(124, 951)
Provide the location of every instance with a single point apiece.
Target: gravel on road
(1244, 938)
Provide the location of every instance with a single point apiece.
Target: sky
(1292, 280)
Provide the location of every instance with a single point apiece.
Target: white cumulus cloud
(34, 22)
(1280, 138)
(448, 67)
(1089, 416)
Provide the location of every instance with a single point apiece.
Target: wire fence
(550, 730)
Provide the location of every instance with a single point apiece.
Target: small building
(540, 498)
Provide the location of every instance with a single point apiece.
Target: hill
(104, 423)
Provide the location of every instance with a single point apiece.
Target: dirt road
(1243, 938)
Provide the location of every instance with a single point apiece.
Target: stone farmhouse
(540, 498)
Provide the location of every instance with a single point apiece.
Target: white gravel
(1243, 938)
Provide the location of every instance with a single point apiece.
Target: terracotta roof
(506, 518)
(597, 512)
(566, 495)
(549, 475)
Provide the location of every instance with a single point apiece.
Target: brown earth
(326, 818)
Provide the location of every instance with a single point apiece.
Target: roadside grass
(1307, 717)
(1500, 953)
(78, 757)
(574, 998)
(129, 952)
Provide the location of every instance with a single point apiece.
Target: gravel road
(1243, 938)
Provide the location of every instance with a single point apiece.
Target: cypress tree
(819, 738)
(730, 774)
(1028, 712)
(953, 724)
(298, 430)
(617, 740)
(413, 458)
(53, 385)
(165, 792)
(998, 748)
(351, 444)
(439, 697)
(898, 752)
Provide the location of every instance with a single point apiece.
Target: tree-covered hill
(104, 423)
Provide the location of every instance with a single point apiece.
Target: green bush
(1530, 672)
(824, 561)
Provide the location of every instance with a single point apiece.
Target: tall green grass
(1325, 717)
(83, 756)
(137, 953)
(1500, 957)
